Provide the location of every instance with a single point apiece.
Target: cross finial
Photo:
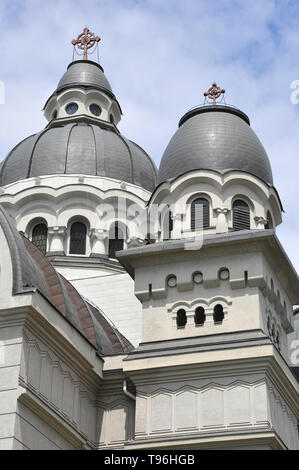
(214, 92)
(85, 41)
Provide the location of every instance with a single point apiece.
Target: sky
(159, 57)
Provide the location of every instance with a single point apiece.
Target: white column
(221, 225)
(98, 241)
(260, 222)
(177, 226)
(57, 236)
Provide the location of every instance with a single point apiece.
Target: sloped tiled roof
(33, 271)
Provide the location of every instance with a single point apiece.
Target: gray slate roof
(79, 148)
(216, 138)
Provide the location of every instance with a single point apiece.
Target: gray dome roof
(79, 148)
(85, 73)
(216, 138)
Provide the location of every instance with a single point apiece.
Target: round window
(172, 282)
(95, 109)
(197, 278)
(71, 108)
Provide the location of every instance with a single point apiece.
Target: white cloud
(159, 57)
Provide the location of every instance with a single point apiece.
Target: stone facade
(181, 338)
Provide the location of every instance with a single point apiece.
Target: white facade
(207, 305)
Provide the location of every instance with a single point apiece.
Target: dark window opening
(241, 215)
(200, 316)
(116, 241)
(200, 214)
(167, 225)
(71, 108)
(39, 237)
(218, 314)
(95, 109)
(78, 239)
(181, 318)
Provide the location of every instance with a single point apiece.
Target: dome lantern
(84, 88)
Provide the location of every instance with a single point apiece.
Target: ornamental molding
(58, 230)
(98, 234)
(221, 210)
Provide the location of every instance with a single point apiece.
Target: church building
(143, 308)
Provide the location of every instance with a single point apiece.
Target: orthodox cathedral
(143, 308)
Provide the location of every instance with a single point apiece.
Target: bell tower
(217, 291)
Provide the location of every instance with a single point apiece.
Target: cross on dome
(214, 92)
(85, 41)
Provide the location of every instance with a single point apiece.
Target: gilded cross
(214, 92)
(85, 41)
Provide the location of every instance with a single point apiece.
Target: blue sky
(160, 56)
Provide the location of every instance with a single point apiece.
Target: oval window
(95, 109)
(71, 108)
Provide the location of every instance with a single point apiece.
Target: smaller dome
(84, 73)
(215, 137)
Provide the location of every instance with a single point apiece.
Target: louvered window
(78, 239)
(241, 215)
(116, 241)
(200, 214)
(39, 237)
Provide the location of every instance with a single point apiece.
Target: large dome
(79, 148)
(215, 137)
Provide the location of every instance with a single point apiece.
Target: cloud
(159, 57)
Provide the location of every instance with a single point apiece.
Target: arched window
(241, 215)
(181, 318)
(78, 238)
(39, 237)
(200, 214)
(269, 224)
(167, 225)
(200, 316)
(218, 314)
(116, 240)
